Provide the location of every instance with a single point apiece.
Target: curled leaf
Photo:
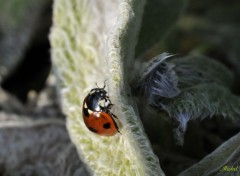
(199, 88)
(157, 80)
(78, 42)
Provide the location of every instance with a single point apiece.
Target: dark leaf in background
(24, 46)
(39, 148)
(158, 19)
(208, 106)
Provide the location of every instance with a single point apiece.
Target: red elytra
(101, 123)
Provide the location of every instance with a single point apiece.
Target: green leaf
(195, 69)
(158, 19)
(78, 40)
(205, 91)
(217, 163)
(199, 102)
(188, 88)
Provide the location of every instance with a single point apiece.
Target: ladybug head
(99, 92)
(97, 99)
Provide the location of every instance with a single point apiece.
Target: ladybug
(96, 112)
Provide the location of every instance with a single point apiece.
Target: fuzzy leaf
(156, 80)
(78, 42)
(195, 70)
(202, 101)
(217, 163)
(201, 89)
(205, 86)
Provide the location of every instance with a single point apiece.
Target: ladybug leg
(104, 84)
(112, 114)
(110, 106)
(107, 97)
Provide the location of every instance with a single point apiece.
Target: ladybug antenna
(104, 84)
(96, 85)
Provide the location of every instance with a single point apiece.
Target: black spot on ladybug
(106, 125)
(85, 112)
(92, 129)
